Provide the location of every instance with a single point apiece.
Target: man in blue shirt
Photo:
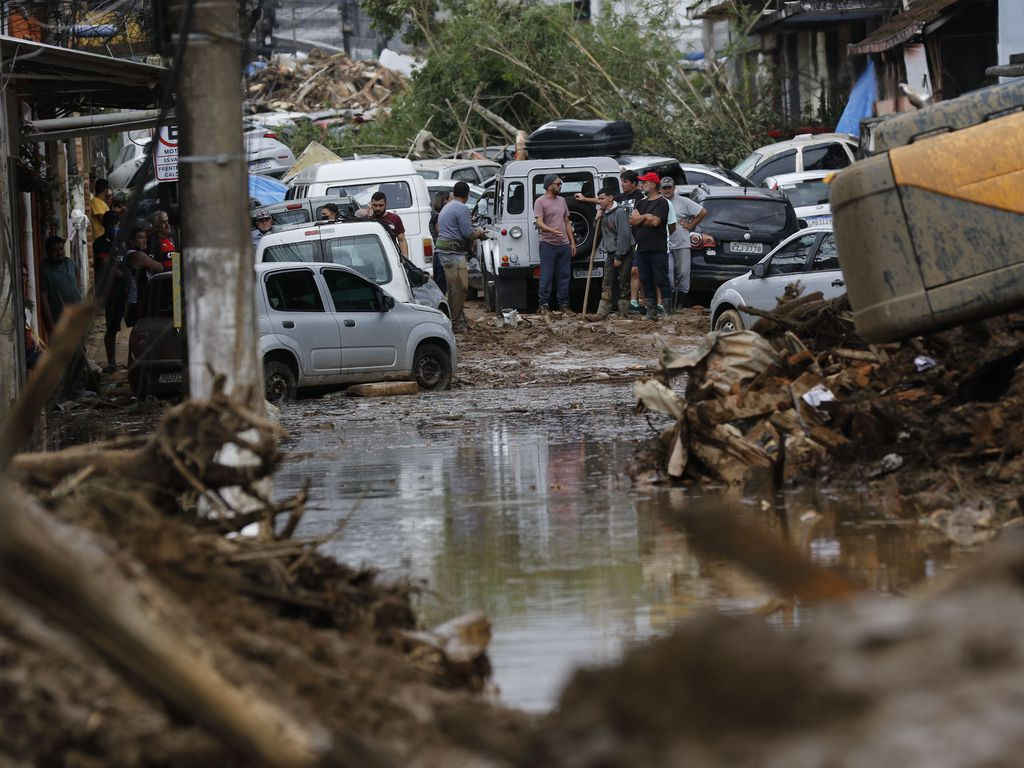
(455, 235)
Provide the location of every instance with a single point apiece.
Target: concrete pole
(12, 323)
(218, 258)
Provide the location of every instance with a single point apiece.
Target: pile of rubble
(323, 81)
(802, 395)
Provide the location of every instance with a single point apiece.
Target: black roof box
(579, 138)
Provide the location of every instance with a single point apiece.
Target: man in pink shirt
(557, 245)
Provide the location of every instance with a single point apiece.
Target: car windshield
(305, 250)
(427, 174)
(362, 253)
(803, 193)
(756, 215)
(398, 193)
(748, 163)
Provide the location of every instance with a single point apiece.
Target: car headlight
(516, 232)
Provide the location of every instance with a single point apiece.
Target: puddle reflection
(526, 516)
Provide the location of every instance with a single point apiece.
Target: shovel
(590, 267)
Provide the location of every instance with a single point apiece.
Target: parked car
(499, 153)
(808, 152)
(127, 162)
(363, 245)
(327, 325)
(511, 254)
(470, 171)
(307, 209)
(741, 226)
(808, 193)
(155, 345)
(663, 166)
(713, 176)
(395, 177)
(265, 154)
(808, 257)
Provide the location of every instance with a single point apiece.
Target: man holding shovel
(616, 240)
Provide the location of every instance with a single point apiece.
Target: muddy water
(514, 502)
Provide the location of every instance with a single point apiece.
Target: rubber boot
(670, 307)
(603, 310)
(624, 309)
(652, 312)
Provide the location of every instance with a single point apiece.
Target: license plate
(581, 273)
(746, 247)
(817, 221)
(173, 377)
(259, 165)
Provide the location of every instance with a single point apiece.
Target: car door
(298, 315)
(787, 265)
(370, 335)
(824, 274)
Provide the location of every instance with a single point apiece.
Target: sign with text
(165, 159)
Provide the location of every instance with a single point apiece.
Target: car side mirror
(387, 302)
(759, 270)
(803, 223)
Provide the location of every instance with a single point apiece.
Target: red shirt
(392, 223)
(166, 249)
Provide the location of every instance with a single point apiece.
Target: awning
(822, 12)
(903, 27)
(78, 81)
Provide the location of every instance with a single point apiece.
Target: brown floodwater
(515, 502)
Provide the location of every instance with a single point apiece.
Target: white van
(363, 246)
(406, 191)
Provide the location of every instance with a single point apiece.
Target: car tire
(432, 367)
(729, 320)
(581, 217)
(278, 382)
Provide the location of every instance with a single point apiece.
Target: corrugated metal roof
(903, 27)
(77, 80)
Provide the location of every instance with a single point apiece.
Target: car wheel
(729, 320)
(432, 367)
(278, 382)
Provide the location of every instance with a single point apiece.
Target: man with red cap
(650, 230)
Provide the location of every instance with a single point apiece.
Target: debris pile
(802, 395)
(323, 81)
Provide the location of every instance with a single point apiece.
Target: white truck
(511, 255)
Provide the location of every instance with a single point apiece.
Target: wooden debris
(383, 389)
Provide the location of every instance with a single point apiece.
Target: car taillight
(428, 250)
(269, 135)
(293, 206)
(536, 273)
(701, 240)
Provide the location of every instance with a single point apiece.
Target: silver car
(324, 325)
(808, 257)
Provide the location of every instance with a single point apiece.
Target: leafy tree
(527, 63)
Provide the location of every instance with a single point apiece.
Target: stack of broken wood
(323, 81)
(800, 389)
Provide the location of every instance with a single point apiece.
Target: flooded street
(514, 501)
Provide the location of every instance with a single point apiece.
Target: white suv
(807, 152)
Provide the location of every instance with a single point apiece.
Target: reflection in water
(522, 511)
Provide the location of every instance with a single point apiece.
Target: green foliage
(529, 63)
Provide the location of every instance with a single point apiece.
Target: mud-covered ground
(927, 681)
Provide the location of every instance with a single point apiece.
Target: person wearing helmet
(261, 225)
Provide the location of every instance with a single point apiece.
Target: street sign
(165, 159)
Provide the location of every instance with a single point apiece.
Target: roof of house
(903, 26)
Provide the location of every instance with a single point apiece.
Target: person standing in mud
(617, 247)
(455, 234)
(688, 215)
(649, 220)
(557, 245)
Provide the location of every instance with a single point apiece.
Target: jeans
(653, 268)
(456, 273)
(681, 278)
(555, 264)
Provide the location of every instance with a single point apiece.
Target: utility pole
(213, 185)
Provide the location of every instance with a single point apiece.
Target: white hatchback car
(470, 171)
(807, 152)
(808, 257)
(323, 325)
(808, 193)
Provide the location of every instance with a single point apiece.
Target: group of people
(644, 235)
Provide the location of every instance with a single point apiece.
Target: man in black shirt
(650, 230)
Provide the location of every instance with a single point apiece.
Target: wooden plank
(383, 389)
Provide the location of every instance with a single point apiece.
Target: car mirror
(803, 223)
(759, 270)
(387, 302)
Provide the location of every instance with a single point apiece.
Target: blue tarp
(266, 189)
(861, 103)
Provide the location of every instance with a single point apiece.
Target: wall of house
(1011, 30)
